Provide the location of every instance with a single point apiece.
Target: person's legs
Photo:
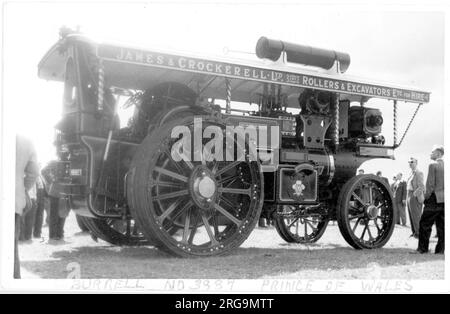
(39, 219)
(53, 221)
(60, 230)
(63, 211)
(397, 213)
(16, 247)
(29, 221)
(22, 228)
(408, 202)
(416, 213)
(440, 226)
(426, 223)
(402, 214)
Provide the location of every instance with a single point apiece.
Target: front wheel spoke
(378, 227)
(170, 195)
(356, 216)
(209, 231)
(235, 191)
(293, 222)
(227, 214)
(356, 197)
(314, 229)
(356, 225)
(227, 167)
(371, 238)
(171, 174)
(364, 232)
(357, 209)
(371, 194)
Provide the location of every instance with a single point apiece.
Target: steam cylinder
(271, 49)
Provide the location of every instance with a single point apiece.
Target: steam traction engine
(133, 184)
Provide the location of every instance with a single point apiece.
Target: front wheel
(365, 212)
(300, 228)
(115, 231)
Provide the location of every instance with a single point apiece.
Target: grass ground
(264, 255)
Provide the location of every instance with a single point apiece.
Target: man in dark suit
(399, 190)
(434, 203)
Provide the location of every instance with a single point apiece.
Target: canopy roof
(134, 68)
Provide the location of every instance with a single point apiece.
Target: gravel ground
(264, 255)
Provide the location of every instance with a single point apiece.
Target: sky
(399, 46)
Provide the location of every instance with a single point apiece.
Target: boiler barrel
(272, 49)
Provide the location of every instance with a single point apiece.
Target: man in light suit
(415, 196)
(27, 171)
(399, 191)
(434, 203)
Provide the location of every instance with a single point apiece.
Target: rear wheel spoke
(168, 211)
(208, 230)
(227, 214)
(171, 174)
(170, 195)
(227, 167)
(187, 223)
(235, 191)
(227, 202)
(166, 184)
(176, 164)
(194, 228)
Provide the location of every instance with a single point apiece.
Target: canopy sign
(211, 67)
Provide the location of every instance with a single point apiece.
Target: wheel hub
(203, 187)
(372, 212)
(206, 187)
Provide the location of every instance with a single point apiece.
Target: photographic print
(242, 147)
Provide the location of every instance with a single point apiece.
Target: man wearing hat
(434, 203)
(415, 196)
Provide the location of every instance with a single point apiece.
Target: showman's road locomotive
(293, 158)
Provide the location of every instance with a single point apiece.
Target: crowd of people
(424, 200)
(33, 198)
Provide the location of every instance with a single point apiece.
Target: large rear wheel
(193, 208)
